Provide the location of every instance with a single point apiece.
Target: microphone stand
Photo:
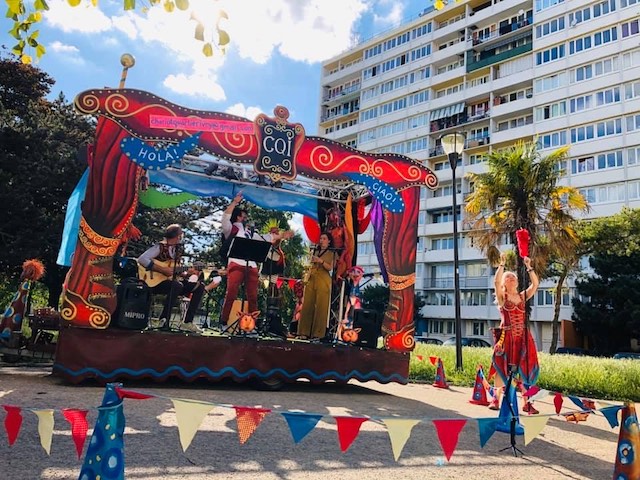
(170, 297)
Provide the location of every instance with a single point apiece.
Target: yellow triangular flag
(533, 425)
(45, 428)
(399, 432)
(189, 416)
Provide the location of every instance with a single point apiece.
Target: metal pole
(453, 160)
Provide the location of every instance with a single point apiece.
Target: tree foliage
(27, 14)
(607, 310)
(39, 168)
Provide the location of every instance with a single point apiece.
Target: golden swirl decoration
(431, 181)
(68, 311)
(88, 103)
(99, 260)
(400, 282)
(321, 159)
(98, 295)
(96, 243)
(100, 319)
(100, 277)
(237, 141)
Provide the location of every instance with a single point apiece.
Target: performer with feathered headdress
(32, 271)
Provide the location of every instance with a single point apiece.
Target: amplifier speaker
(370, 323)
(134, 302)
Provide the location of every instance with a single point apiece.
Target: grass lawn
(597, 378)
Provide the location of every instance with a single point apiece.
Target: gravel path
(563, 451)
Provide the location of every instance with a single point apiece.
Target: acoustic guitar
(153, 278)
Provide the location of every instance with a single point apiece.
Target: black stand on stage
(170, 301)
(248, 250)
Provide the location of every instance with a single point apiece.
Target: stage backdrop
(139, 132)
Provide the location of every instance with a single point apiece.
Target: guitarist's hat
(173, 231)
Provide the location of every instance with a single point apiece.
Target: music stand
(248, 250)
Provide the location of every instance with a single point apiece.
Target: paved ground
(563, 450)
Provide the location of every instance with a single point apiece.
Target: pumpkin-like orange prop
(247, 321)
(350, 335)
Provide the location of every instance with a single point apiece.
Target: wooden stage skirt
(115, 354)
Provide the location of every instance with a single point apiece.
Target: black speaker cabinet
(134, 302)
(370, 323)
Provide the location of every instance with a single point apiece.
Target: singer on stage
(317, 294)
(234, 224)
(163, 257)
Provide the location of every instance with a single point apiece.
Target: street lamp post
(453, 145)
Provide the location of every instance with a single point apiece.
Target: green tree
(520, 189)
(39, 168)
(610, 315)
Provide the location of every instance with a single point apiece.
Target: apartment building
(564, 72)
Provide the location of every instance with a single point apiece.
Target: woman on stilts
(514, 344)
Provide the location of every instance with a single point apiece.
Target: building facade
(564, 72)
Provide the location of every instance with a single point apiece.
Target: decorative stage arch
(138, 131)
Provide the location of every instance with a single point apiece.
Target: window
(581, 165)
(550, 55)
(546, 297)
(633, 123)
(633, 156)
(630, 28)
(544, 4)
(552, 81)
(436, 326)
(555, 139)
(551, 111)
(478, 329)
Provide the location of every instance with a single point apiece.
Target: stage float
(141, 137)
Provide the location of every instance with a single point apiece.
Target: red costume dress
(515, 345)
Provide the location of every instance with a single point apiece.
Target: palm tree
(520, 190)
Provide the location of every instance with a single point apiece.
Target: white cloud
(60, 47)
(390, 13)
(247, 112)
(83, 18)
(197, 84)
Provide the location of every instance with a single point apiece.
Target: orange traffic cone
(441, 380)
(627, 464)
(479, 396)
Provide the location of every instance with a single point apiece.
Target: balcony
(326, 118)
(500, 57)
(502, 32)
(343, 95)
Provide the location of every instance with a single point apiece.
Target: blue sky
(273, 59)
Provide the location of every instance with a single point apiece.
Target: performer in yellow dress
(317, 294)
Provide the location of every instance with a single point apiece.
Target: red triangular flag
(279, 282)
(12, 422)
(420, 357)
(292, 283)
(448, 433)
(433, 360)
(131, 394)
(557, 401)
(348, 429)
(248, 420)
(79, 426)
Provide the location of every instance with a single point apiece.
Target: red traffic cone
(627, 464)
(479, 396)
(441, 380)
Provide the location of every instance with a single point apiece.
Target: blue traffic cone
(508, 408)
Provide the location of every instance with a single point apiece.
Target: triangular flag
(292, 283)
(300, 423)
(248, 420)
(578, 402)
(189, 416)
(12, 422)
(399, 430)
(433, 360)
(420, 357)
(486, 429)
(448, 433)
(79, 426)
(533, 425)
(539, 395)
(348, 429)
(45, 428)
(611, 414)
(279, 282)
(557, 401)
(531, 391)
(122, 393)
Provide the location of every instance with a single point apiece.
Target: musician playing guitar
(161, 258)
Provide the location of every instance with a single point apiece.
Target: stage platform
(115, 354)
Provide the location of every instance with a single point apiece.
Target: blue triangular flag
(300, 423)
(486, 427)
(578, 402)
(611, 414)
